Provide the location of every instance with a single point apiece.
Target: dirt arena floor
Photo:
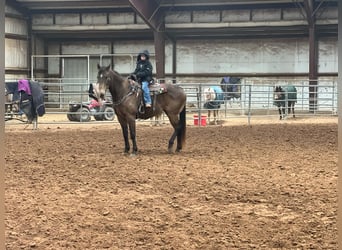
(268, 185)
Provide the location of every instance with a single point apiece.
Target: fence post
(249, 103)
(199, 104)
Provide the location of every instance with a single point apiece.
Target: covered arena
(248, 181)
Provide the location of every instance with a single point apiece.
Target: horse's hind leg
(216, 115)
(284, 113)
(133, 137)
(289, 109)
(177, 127)
(293, 112)
(171, 141)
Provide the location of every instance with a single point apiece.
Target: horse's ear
(98, 66)
(108, 67)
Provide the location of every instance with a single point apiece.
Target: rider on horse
(143, 72)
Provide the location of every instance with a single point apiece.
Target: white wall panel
(327, 13)
(328, 55)
(235, 15)
(38, 49)
(168, 57)
(85, 48)
(292, 14)
(15, 26)
(243, 56)
(206, 16)
(121, 18)
(69, 19)
(15, 53)
(53, 62)
(266, 14)
(215, 56)
(94, 18)
(42, 19)
(178, 17)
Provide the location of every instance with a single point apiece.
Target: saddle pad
(158, 88)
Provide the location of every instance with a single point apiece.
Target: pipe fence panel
(254, 98)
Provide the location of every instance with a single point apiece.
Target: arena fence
(255, 99)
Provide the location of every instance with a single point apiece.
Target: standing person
(143, 72)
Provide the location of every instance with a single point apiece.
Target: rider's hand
(132, 77)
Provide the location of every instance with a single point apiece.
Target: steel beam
(150, 12)
(313, 54)
(159, 46)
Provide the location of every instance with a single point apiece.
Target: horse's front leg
(132, 131)
(280, 113)
(124, 129)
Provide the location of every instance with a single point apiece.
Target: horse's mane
(280, 90)
(115, 75)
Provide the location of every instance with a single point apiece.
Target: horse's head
(278, 93)
(103, 80)
(209, 94)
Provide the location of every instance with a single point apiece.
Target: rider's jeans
(146, 90)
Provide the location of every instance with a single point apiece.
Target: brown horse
(128, 104)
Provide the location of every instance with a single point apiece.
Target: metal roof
(55, 5)
(215, 30)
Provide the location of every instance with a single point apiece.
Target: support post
(159, 46)
(313, 54)
(313, 62)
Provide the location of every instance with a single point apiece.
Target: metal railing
(256, 98)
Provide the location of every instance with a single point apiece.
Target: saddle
(155, 90)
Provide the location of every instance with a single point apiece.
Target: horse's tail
(182, 126)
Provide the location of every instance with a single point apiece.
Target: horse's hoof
(133, 155)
